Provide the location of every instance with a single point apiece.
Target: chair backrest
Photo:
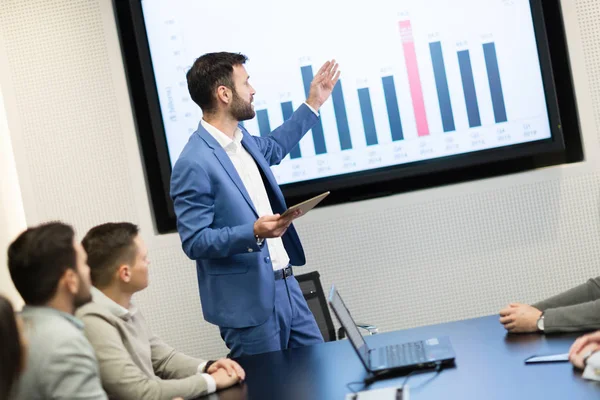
(310, 284)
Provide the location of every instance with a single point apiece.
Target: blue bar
(263, 123)
(441, 83)
(317, 130)
(491, 62)
(341, 118)
(468, 82)
(287, 109)
(366, 109)
(391, 102)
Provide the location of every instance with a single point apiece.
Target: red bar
(414, 79)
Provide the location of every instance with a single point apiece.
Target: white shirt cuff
(210, 383)
(312, 109)
(201, 367)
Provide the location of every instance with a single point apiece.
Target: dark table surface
(489, 365)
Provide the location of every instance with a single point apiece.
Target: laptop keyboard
(403, 354)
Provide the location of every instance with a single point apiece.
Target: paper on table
(592, 369)
(392, 393)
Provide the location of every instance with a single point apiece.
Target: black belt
(283, 273)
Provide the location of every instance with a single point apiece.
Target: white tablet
(306, 205)
(564, 357)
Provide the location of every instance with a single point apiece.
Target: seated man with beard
(49, 269)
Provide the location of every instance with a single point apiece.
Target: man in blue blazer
(229, 205)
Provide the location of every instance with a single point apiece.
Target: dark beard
(82, 299)
(241, 110)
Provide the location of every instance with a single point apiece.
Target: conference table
(489, 365)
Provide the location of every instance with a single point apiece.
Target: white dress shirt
(250, 175)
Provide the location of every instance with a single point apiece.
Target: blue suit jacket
(215, 220)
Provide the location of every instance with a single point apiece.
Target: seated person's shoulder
(53, 329)
(95, 316)
(55, 339)
(92, 309)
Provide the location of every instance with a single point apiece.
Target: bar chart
(445, 112)
(422, 79)
(392, 107)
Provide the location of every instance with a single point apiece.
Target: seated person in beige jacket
(135, 364)
(577, 309)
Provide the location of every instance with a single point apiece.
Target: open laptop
(401, 357)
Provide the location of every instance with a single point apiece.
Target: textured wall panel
(459, 257)
(588, 12)
(65, 96)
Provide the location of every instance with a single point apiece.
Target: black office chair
(310, 284)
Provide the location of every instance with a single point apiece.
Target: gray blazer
(577, 309)
(60, 361)
(135, 364)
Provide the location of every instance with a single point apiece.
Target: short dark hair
(108, 246)
(38, 258)
(11, 352)
(209, 72)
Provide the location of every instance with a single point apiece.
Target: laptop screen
(343, 315)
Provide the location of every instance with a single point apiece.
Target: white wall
(436, 255)
(12, 214)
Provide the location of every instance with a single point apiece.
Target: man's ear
(224, 94)
(124, 273)
(71, 281)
